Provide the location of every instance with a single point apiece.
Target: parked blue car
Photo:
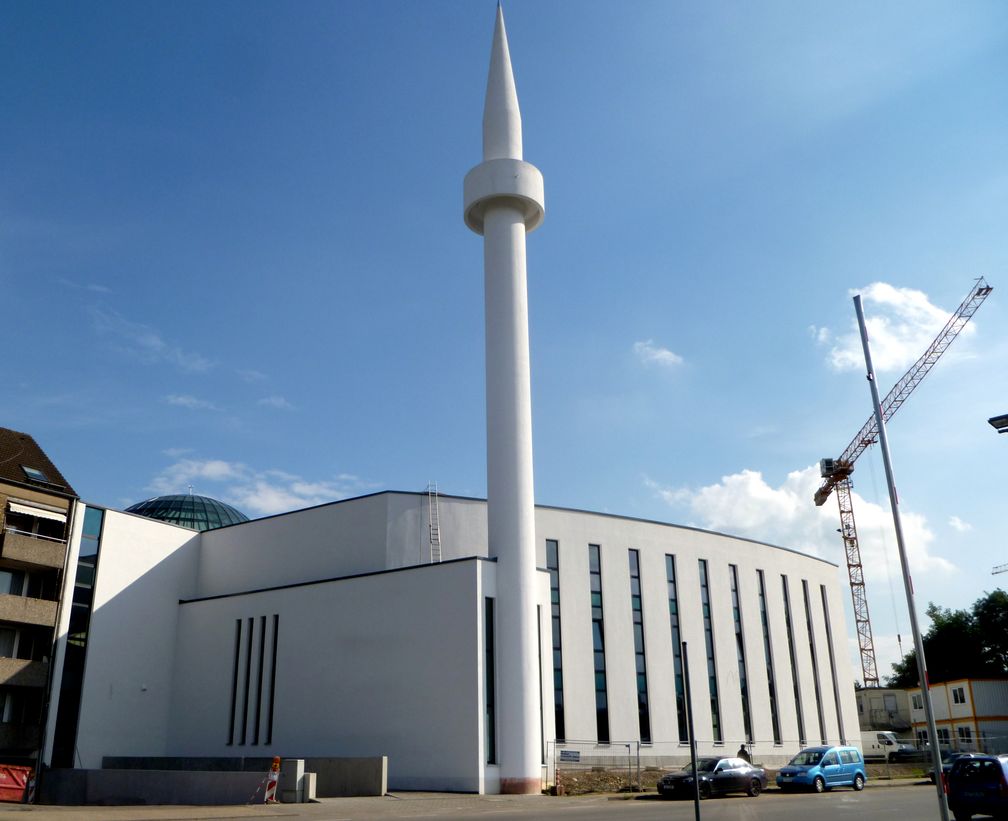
(822, 768)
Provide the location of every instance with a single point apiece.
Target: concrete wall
(386, 664)
(138, 787)
(143, 567)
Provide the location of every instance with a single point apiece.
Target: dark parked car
(978, 785)
(947, 761)
(716, 776)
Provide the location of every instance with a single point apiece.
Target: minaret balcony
(31, 549)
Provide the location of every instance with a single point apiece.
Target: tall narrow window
(815, 661)
(553, 565)
(832, 663)
(490, 715)
(768, 657)
(715, 702)
(677, 668)
(794, 663)
(75, 652)
(740, 653)
(643, 710)
(598, 644)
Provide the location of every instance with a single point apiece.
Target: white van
(876, 744)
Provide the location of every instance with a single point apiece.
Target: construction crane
(836, 472)
(1001, 568)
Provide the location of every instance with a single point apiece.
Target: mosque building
(471, 641)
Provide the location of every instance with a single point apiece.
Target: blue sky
(232, 255)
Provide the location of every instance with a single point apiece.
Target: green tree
(961, 643)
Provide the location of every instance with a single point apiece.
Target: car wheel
(858, 783)
(755, 788)
(819, 785)
(704, 790)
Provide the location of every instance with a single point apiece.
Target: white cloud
(93, 287)
(255, 492)
(821, 336)
(902, 323)
(145, 343)
(649, 353)
(251, 375)
(958, 524)
(275, 402)
(745, 504)
(191, 402)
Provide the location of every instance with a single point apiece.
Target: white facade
(379, 653)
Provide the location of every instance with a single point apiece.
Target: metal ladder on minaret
(434, 523)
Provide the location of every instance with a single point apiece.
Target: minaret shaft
(510, 497)
(503, 201)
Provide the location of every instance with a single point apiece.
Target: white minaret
(504, 200)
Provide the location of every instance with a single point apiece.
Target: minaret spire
(502, 129)
(503, 198)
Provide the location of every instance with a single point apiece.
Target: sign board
(573, 756)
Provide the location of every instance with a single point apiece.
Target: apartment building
(36, 504)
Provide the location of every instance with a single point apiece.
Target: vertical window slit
(815, 661)
(234, 681)
(832, 663)
(259, 678)
(248, 680)
(272, 684)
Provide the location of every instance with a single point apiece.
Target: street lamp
(999, 423)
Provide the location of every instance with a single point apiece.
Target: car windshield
(704, 765)
(807, 758)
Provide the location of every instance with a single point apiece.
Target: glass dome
(187, 510)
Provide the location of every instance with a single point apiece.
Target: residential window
(34, 474)
(598, 644)
(922, 738)
(553, 565)
(712, 684)
(677, 666)
(768, 658)
(794, 662)
(958, 695)
(918, 701)
(740, 652)
(640, 661)
(965, 735)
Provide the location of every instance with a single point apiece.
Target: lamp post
(999, 423)
(925, 685)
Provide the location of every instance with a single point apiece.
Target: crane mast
(836, 472)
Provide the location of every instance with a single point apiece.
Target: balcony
(22, 673)
(24, 547)
(24, 610)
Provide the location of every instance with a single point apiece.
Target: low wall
(137, 787)
(344, 777)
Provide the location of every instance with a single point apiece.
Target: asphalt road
(898, 803)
